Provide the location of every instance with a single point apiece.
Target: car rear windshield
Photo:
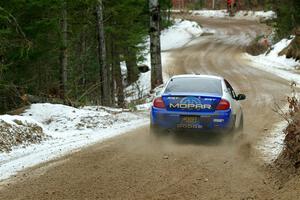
(195, 85)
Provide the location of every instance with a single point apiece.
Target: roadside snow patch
(281, 66)
(179, 34)
(243, 14)
(61, 118)
(272, 144)
(69, 129)
(211, 13)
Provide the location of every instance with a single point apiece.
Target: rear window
(195, 84)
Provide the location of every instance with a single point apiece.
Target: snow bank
(61, 118)
(18, 130)
(178, 35)
(278, 65)
(68, 129)
(243, 14)
(272, 143)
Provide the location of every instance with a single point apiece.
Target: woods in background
(288, 20)
(222, 4)
(70, 49)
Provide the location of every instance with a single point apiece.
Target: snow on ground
(272, 143)
(68, 129)
(285, 68)
(61, 118)
(176, 36)
(242, 14)
(278, 65)
(179, 34)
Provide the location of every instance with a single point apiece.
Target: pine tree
(50, 48)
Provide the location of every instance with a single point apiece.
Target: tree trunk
(105, 86)
(156, 68)
(119, 83)
(81, 55)
(169, 15)
(118, 76)
(112, 67)
(64, 53)
(131, 64)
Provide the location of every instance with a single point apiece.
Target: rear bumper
(217, 120)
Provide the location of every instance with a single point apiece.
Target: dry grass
(291, 152)
(257, 47)
(20, 133)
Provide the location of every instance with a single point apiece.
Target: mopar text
(190, 106)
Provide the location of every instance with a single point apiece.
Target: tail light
(223, 105)
(159, 103)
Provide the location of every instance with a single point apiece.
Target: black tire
(240, 129)
(237, 134)
(234, 132)
(231, 129)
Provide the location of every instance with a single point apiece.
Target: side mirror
(241, 97)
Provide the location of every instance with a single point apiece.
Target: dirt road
(136, 166)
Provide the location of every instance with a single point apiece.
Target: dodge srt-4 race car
(198, 102)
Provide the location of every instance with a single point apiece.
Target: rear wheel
(237, 134)
(241, 126)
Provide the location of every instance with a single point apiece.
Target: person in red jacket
(228, 5)
(231, 6)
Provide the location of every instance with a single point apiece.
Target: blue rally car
(197, 102)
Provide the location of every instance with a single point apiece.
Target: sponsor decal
(190, 106)
(190, 119)
(191, 103)
(189, 126)
(209, 99)
(173, 98)
(219, 120)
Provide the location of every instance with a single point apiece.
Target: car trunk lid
(191, 102)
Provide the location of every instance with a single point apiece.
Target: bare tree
(104, 75)
(156, 69)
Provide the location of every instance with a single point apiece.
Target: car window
(230, 89)
(195, 84)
